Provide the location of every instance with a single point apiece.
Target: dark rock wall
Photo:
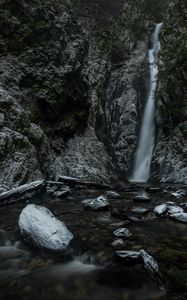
(170, 156)
(51, 73)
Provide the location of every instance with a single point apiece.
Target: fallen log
(61, 184)
(71, 181)
(22, 192)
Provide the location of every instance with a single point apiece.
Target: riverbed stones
(134, 219)
(42, 229)
(142, 197)
(118, 244)
(179, 194)
(160, 209)
(62, 192)
(113, 195)
(99, 203)
(139, 210)
(142, 257)
(122, 232)
(128, 255)
(174, 209)
(181, 216)
(151, 265)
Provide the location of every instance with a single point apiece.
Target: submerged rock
(134, 219)
(62, 192)
(119, 243)
(139, 210)
(98, 203)
(117, 224)
(122, 232)
(40, 227)
(142, 197)
(113, 195)
(160, 209)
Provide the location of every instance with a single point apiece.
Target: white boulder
(39, 226)
(98, 203)
(122, 232)
(127, 254)
(160, 209)
(182, 217)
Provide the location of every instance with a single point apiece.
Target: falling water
(143, 155)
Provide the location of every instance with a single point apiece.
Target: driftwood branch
(22, 192)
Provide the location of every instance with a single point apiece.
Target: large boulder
(40, 227)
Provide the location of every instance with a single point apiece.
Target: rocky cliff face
(128, 84)
(55, 61)
(72, 87)
(51, 72)
(170, 156)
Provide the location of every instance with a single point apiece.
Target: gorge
(64, 90)
(93, 149)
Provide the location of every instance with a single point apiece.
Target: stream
(90, 269)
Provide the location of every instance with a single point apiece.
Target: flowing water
(143, 155)
(90, 270)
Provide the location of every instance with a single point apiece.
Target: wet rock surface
(99, 203)
(50, 78)
(160, 209)
(128, 255)
(40, 227)
(119, 243)
(122, 232)
(139, 210)
(169, 159)
(142, 197)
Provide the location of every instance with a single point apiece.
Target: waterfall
(143, 155)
